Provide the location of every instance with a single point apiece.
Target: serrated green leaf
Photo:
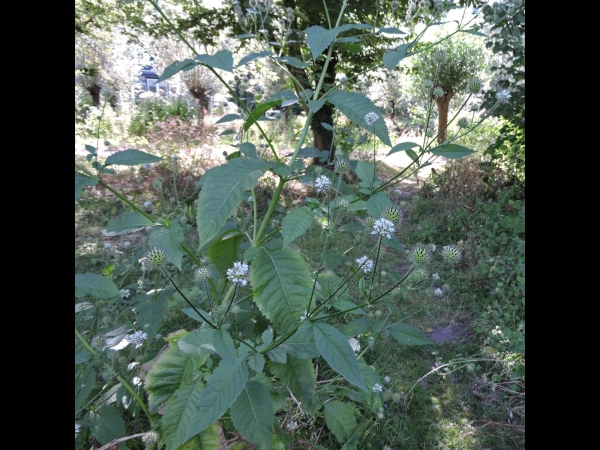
(403, 146)
(301, 344)
(131, 220)
(225, 346)
(108, 424)
(359, 326)
(178, 412)
(256, 362)
(198, 342)
(394, 243)
(253, 57)
(228, 118)
(252, 415)
(222, 192)
(171, 369)
(258, 112)
(176, 67)
(452, 151)
(222, 388)
(248, 149)
(84, 383)
(315, 105)
(223, 60)
(278, 355)
(224, 251)
(209, 439)
(95, 285)
(295, 62)
(377, 203)
(369, 374)
(332, 259)
(170, 240)
(131, 157)
(340, 419)
(296, 223)
(348, 39)
(82, 357)
(366, 173)
(409, 335)
(282, 287)
(150, 315)
(318, 39)
(300, 377)
(336, 350)
(391, 58)
(356, 106)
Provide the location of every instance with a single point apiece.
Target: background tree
(451, 65)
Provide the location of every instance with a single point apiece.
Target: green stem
(117, 376)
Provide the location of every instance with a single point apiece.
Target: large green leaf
(176, 67)
(402, 147)
(300, 377)
(391, 58)
(302, 343)
(222, 192)
(228, 118)
(366, 172)
(332, 259)
(282, 287)
(258, 112)
(178, 412)
(198, 342)
(209, 439)
(295, 224)
(253, 57)
(171, 368)
(359, 326)
(223, 60)
(356, 106)
(252, 415)
(170, 240)
(222, 388)
(150, 315)
(336, 350)
(131, 157)
(108, 424)
(452, 151)
(224, 251)
(340, 419)
(409, 335)
(95, 285)
(131, 220)
(318, 39)
(84, 383)
(292, 61)
(378, 203)
(225, 346)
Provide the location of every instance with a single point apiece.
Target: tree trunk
(199, 93)
(323, 138)
(443, 104)
(94, 91)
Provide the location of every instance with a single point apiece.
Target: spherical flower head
(291, 426)
(377, 387)
(429, 133)
(435, 276)
(366, 263)
(392, 214)
(125, 293)
(137, 338)
(503, 96)
(432, 247)
(238, 273)
(328, 275)
(202, 273)
(371, 118)
(106, 93)
(98, 341)
(420, 254)
(157, 256)
(344, 203)
(383, 227)
(394, 5)
(396, 397)
(380, 415)
(438, 91)
(451, 253)
(474, 86)
(474, 11)
(387, 379)
(370, 221)
(439, 56)
(474, 107)
(77, 428)
(341, 165)
(438, 292)
(428, 84)
(149, 437)
(387, 447)
(463, 122)
(418, 275)
(322, 183)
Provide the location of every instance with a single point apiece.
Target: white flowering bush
(263, 315)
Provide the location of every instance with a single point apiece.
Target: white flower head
(383, 227)
(371, 118)
(387, 379)
(107, 245)
(435, 276)
(137, 381)
(137, 338)
(322, 183)
(503, 96)
(366, 263)
(125, 293)
(354, 344)
(77, 428)
(303, 316)
(149, 437)
(238, 273)
(377, 387)
(438, 292)
(292, 425)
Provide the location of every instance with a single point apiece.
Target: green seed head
(420, 254)
(157, 256)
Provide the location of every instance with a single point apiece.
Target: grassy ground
(457, 394)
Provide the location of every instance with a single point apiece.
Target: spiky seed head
(157, 256)
(370, 221)
(420, 254)
(474, 86)
(463, 122)
(392, 214)
(341, 165)
(438, 91)
(202, 273)
(451, 254)
(439, 56)
(428, 84)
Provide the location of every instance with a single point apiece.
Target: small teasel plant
(262, 315)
